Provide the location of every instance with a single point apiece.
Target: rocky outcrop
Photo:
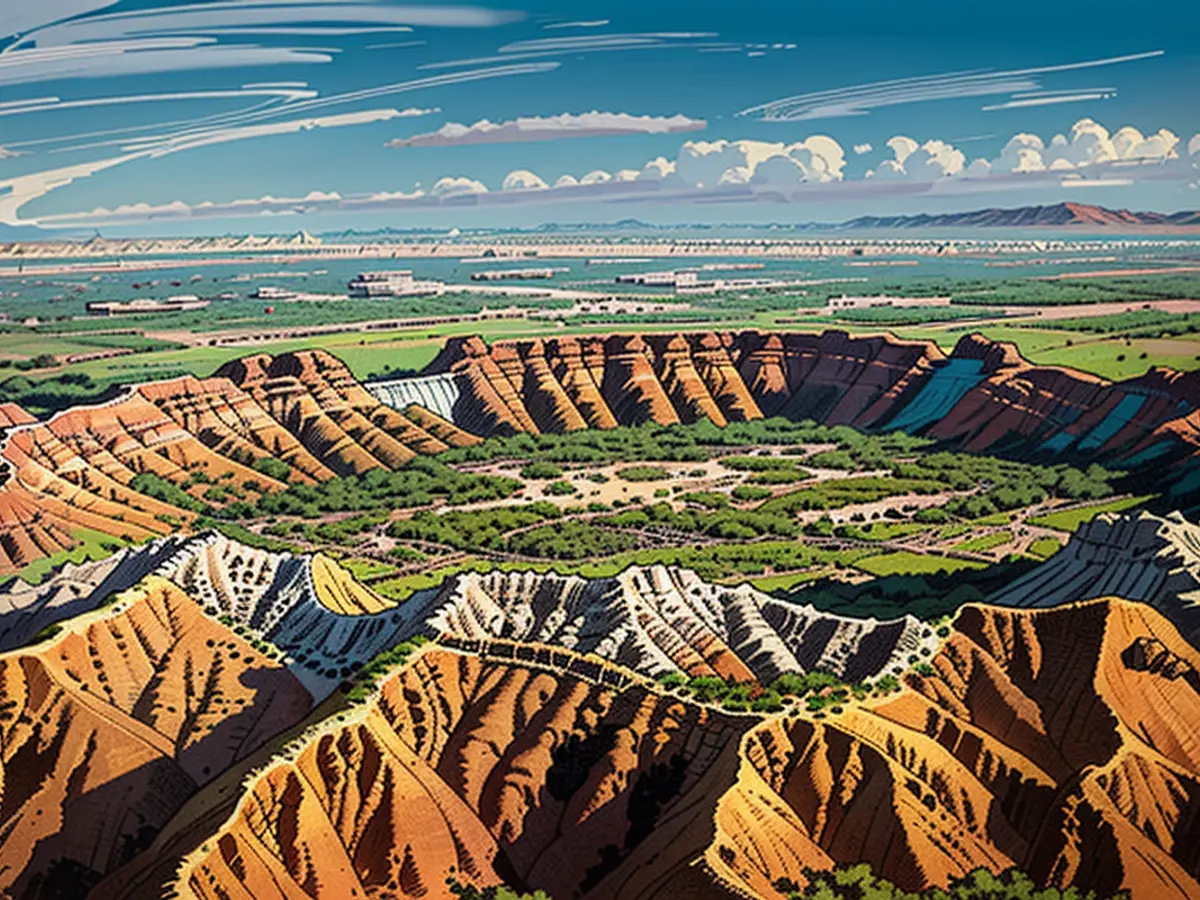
(109, 725)
(485, 770)
(1062, 742)
(1137, 556)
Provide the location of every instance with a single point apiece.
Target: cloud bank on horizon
(99, 98)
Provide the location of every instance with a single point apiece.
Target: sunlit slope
(108, 726)
(86, 468)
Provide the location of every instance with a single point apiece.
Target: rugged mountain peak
(664, 619)
(995, 355)
(1138, 556)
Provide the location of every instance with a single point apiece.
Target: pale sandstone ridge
(654, 620)
(658, 620)
(110, 725)
(1137, 556)
(1064, 742)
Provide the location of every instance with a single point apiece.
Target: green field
(905, 563)
(1070, 519)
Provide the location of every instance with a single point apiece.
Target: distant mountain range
(1058, 215)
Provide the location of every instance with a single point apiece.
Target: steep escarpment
(1062, 741)
(490, 770)
(108, 726)
(1137, 556)
(984, 397)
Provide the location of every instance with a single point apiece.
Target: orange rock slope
(108, 727)
(489, 771)
(75, 471)
(1062, 742)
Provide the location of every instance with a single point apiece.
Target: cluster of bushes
(724, 524)
(481, 529)
(48, 395)
(498, 892)
(928, 596)
(643, 473)
(571, 539)
(368, 676)
(847, 491)
(820, 690)
(858, 882)
(419, 483)
(1006, 485)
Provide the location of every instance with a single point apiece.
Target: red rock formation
(491, 771)
(721, 377)
(107, 728)
(1062, 742)
(579, 383)
(683, 385)
(547, 400)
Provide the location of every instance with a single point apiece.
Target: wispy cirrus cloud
(202, 36)
(550, 128)
(858, 100)
(588, 23)
(541, 48)
(1051, 98)
(244, 125)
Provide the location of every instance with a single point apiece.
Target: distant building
(541, 274)
(266, 292)
(143, 305)
(397, 283)
(844, 302)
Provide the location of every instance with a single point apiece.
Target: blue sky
(147, 116)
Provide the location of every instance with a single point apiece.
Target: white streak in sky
(594, 23)
(1045, 101)
(857, 100)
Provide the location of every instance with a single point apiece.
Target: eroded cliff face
(1061, 741)
(491, 771)
(984, 397)
(77, 469)
(659, 620)
(107, 727)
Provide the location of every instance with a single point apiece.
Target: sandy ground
(1101, 309)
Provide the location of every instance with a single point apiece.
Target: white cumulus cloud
(456, 186)
(706, 164)
(862, 149)
(524, 180)
(550, 128)
(929, 161)
(1088, 144)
